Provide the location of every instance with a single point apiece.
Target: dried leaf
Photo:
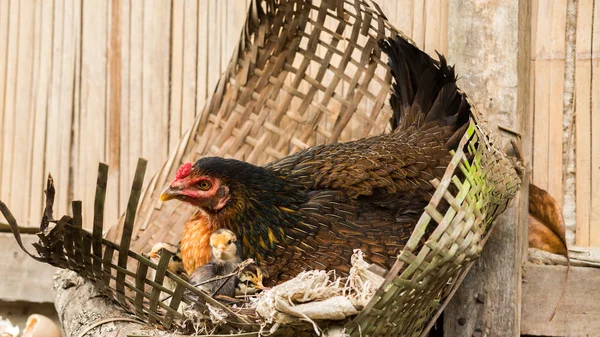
(547, 229)
(546, 224)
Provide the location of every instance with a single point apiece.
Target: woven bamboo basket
(303, 73)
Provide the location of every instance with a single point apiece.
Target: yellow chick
(250, 281)
(225, 259)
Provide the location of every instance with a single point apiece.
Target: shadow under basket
(258, 102)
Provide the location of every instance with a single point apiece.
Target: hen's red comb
(184, 171)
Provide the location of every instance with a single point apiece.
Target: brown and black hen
(311, 209)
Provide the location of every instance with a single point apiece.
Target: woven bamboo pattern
(266, 106)
(304, 73)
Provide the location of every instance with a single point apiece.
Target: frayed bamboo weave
(303, 73)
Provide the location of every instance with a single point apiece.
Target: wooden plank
(543, 42)
(190, 62)
(555, 129)
(555, 98)
(55, 118)
(19, 186)
(113, 108)
(236, 17)
(534, 18)
(155, 84)
(76, 30)
(418, 21)
(135, 124)
(125, 168)
(28, 280)
(540, 128)
(531, 108)
(41, 83)
(202, 61)
(92, 116)
(432, 26)
(583, 149)
(443, 36)
(576, 316)
(4, 19)
(403, 18)
(488, 303)
(214, 44)
(595, 134)
(176, 64)
(223, 22)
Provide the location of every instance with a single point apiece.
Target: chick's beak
(168, 194)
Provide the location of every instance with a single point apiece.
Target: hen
(310, 210)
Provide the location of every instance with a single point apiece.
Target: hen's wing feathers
(429, 119)
(340, 225)
(369, 193)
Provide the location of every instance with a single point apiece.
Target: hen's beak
(168, 194)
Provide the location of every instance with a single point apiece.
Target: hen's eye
(204, 185)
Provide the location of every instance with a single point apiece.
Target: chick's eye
(204, 185)
(229, 242)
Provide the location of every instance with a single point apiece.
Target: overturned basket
(303, 73)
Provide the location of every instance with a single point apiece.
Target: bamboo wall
(83, 82)
(566, 111)
(89, 81)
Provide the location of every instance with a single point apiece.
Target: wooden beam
(576, 316)
(489, 42)
(23, 279)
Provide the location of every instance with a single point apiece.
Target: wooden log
(493, 63)
(81, 308)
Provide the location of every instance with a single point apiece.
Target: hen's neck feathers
(261, 208)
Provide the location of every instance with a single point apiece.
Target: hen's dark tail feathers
(425, 90)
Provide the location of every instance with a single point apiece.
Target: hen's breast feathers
(195, 242)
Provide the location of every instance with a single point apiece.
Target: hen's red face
(197, 189)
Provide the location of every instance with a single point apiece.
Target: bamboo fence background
(83, 82)
(565, 111)
(111, 81)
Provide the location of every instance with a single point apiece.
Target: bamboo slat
(126, 156)
(41, 90)
(555, 122)
(155, 82)
(93, 100)
(190, 64)
(176, 74)
(582, 122)
(135, 89)
(20, 183)
(114, 84)
(4, 20)
(595, 127)
(541, 117)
